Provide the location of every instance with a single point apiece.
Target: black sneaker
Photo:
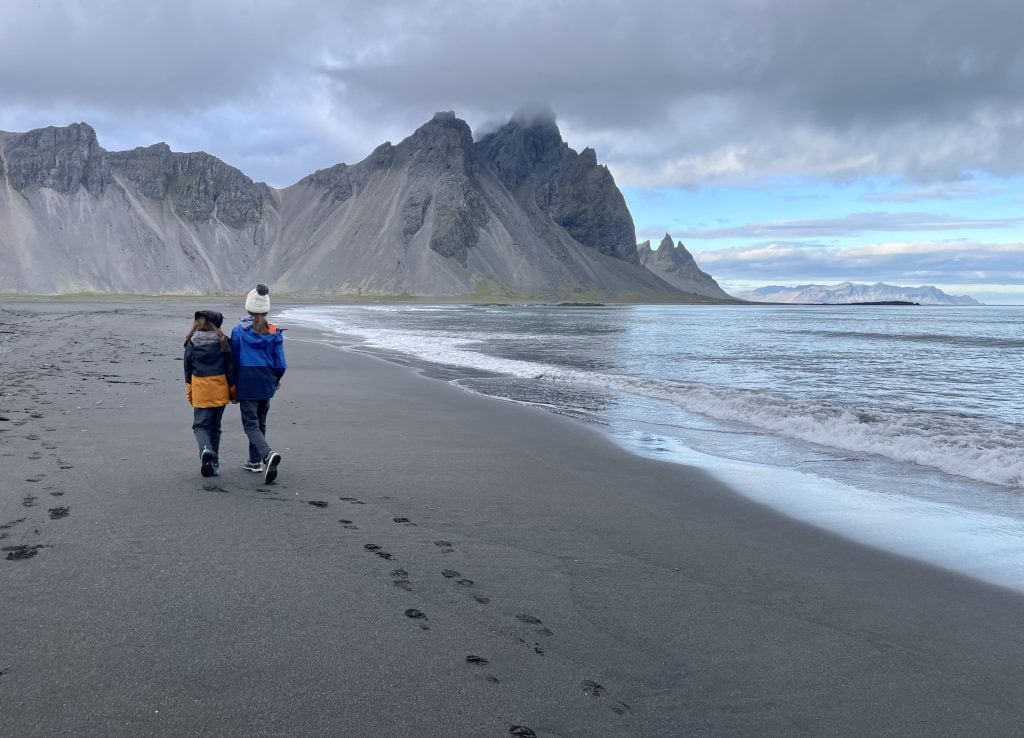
(270, 466)
(253, 466)
(209, 463)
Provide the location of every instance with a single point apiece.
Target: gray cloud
(670, 93)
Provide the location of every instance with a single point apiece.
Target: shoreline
(334, 299)
(978, 543)
(664, 602)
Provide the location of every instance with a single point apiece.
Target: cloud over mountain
(669, 93)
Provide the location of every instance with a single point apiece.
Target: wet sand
(429, 563)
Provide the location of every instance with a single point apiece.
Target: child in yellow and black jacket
(209, 384)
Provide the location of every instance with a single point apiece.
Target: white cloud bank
(998, 266)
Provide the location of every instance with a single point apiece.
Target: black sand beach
(429, 563)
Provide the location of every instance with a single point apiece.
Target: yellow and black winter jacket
(209, 371)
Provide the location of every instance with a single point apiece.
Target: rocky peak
(522, 147)
(59, 158)
(74, 135)
(673, 262)
(675, 254)
(444, 143)
(201, 187)
(530, 158)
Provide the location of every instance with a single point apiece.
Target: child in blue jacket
(259, 365)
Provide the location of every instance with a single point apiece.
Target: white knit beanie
(258, 300)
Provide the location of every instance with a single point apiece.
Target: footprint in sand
(451, 574)
(445, 546)
(12, 523)
(477, 660)
(481, 599)
(29, 501)
(521, 731)
(352, 500)
(316, 503)
(528, 619)
(375, 549)
(419, 617)
(404, 521)
(348, 524)
(22, 552)
(56, 513)
(35, 479)
(400, 578)
(593, 689)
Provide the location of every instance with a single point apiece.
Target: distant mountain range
(847, 292)
(516, 214)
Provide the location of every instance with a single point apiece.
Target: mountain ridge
(851, 293)
(516, 214)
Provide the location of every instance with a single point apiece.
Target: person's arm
(230, 374)
(187, 362)
(280, 364)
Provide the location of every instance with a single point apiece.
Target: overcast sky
(784, 141)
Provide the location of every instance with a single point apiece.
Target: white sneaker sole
(271, 472)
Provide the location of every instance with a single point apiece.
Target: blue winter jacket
(259, 361)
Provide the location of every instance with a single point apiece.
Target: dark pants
(254, 422)
(206, 426)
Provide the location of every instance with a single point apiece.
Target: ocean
(900, 427)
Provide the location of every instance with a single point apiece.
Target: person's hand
(232, 396)
(188, 392)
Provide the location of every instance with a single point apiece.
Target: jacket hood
(249, 335)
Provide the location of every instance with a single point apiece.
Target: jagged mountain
(848, 292)
(673, 263)
(517, 213)
(77, 218)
